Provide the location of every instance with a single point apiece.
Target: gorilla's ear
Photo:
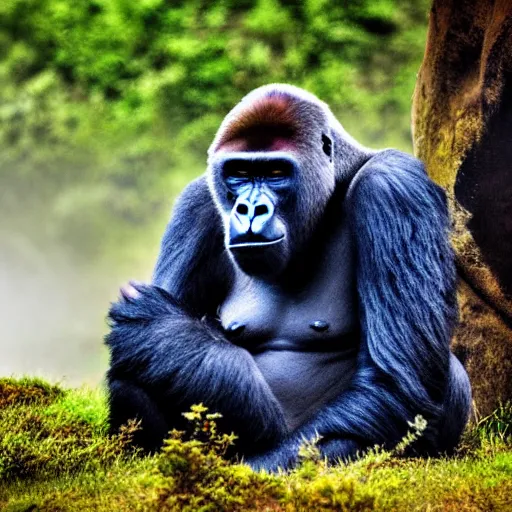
(327, 146)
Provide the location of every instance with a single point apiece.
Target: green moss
(46, 431)
(27, 391)
(56, 456)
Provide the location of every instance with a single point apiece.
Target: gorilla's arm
(166, 351)
(407, 297)
(193, 265)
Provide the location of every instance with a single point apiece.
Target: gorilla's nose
(253, 216)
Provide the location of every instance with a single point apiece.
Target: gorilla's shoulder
(195, 223)
(193, 233)
(195, 197)
(195, 208)
(392, 176)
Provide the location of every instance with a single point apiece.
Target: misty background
(107, 108)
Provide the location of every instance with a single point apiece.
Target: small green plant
(418, 427)
(309, 450)
(194, 475)
(204, 429)
(498, 425)
(491, 434)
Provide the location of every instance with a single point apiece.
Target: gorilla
(305, 287)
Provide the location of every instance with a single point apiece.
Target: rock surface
(462, 128)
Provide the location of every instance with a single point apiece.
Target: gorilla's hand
(143, 302)
(146, 302)
(285, 457)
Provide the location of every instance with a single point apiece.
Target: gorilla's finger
(129, 292)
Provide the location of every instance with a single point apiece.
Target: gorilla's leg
(163, 360)
(456, 407)
(453, 419)
(127, 400)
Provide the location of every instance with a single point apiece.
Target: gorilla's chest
(305, 342)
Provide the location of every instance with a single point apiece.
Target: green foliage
(108, 106)
(55, 455)
(492, 434)
(203, 428)
(498, 425)
(195, 477)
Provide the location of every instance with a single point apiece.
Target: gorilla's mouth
(253, 241)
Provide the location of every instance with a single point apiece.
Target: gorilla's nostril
(261, 209)
(242, 209)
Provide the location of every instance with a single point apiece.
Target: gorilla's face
(272, 170)
(258, 204)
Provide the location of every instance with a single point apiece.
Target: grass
(56, 455)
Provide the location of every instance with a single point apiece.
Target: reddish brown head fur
(268, 123)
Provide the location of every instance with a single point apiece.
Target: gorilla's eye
(327, 145)
(238, 171)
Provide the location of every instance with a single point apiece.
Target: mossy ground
(55, 455)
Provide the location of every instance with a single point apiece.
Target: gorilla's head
(273, 166)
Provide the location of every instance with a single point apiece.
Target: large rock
(462, 126)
